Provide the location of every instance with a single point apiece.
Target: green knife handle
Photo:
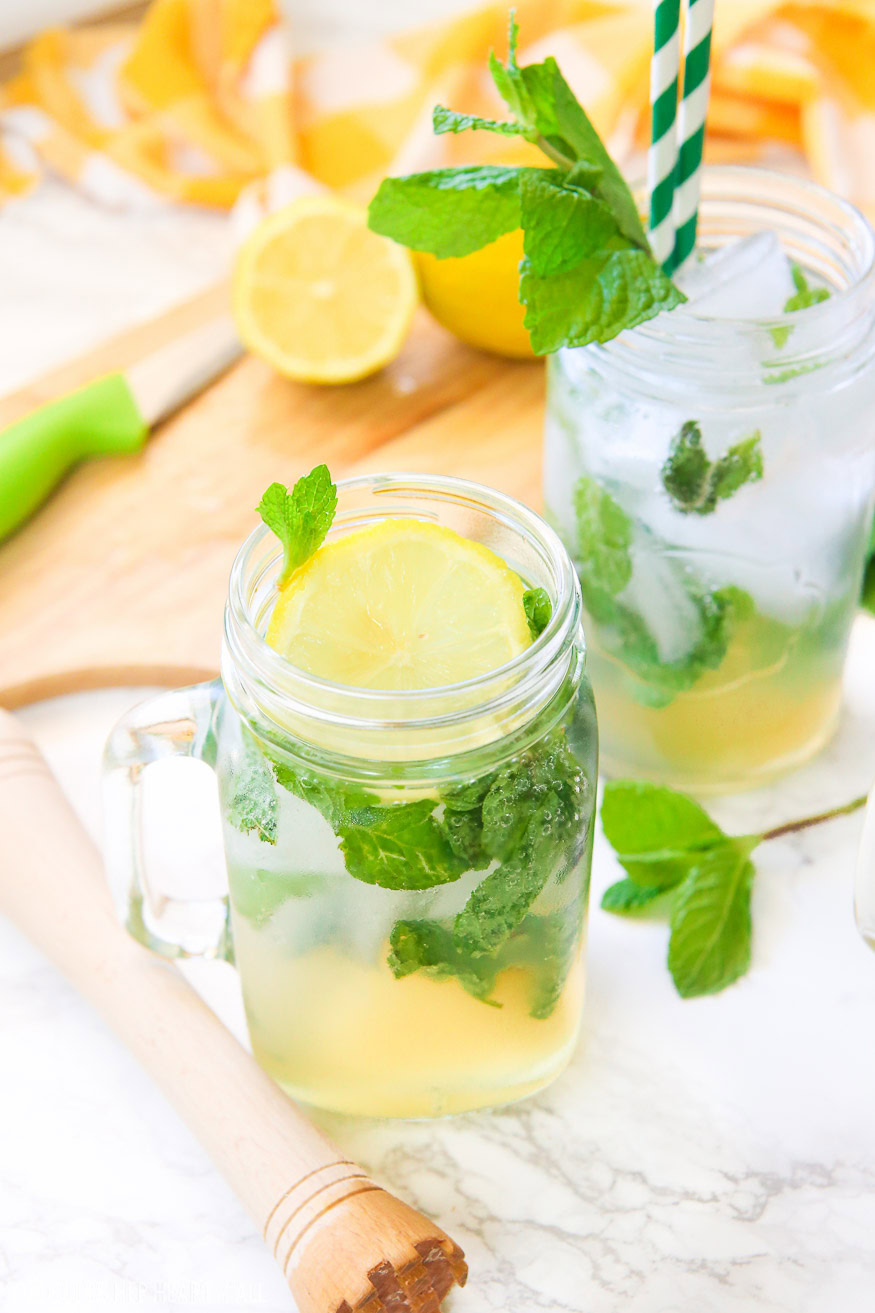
(37, 451)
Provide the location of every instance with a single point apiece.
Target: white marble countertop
(709, 1156)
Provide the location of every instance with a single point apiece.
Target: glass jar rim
(260, 680)
(837, 332)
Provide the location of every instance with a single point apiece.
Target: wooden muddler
(344, 1243)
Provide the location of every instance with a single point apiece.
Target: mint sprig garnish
(695, 483)
(588, 272)
(300, 517)
(678, 860)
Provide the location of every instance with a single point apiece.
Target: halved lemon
(476, 296)
(403, 604)
(319, 296)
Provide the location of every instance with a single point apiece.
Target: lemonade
(712, 474)
(408, 799)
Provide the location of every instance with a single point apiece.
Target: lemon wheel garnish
(319, 296)
(403, 604)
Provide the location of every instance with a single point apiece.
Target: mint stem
(555, 155)
(790, 827)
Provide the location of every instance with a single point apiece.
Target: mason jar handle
(175, 724)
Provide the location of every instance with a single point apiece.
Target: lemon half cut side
(319, 296)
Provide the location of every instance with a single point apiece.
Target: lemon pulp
(319, 296)
(402, 604)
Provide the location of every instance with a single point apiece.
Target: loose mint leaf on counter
(666, 842)
(627, 898)
(657, 833)
(588, 271)
(711, 931)
(805, 295)
(538, 609)
(300, 517)
(449, 212)
(680, 861)
(695, 483)
(405, 849)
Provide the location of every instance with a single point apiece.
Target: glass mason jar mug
(407, 871)
(718, 613)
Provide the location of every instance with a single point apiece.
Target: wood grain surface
(121, 577)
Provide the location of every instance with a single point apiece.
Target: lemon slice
(319, 296)
(401, 605)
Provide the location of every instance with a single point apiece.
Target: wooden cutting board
(121, 577)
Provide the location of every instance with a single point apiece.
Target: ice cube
(657, 592)
(748, 279)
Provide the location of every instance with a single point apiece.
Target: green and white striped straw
(663, 156)
(691, 127)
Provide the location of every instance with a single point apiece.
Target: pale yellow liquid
(768, 708)
(345, 1035)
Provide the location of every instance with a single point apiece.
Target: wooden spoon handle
(339, 1237)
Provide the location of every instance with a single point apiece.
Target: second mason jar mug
(407, 870)
(713, 478)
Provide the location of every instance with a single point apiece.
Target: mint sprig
(588, 272)
(300, 517)
(695, 483)
(678, 860)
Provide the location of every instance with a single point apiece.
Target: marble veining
(708, 1156)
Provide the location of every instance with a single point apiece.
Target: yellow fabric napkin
(203, 99)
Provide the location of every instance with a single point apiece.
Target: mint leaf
(511, 84)
(252, 807)
(672, 851)
(429, 946)
(300, 518)
(256, 894)
(449, 212)
(594, 301)
(628, 898)
(805, 295)
(603, 551)
(695, 483)
(404, 849)
(562, 223)
(710, 943)
(538, 609)
(604, 537)
(657, 834)
(607, 182)
(588, 271)
(534, 823)
(448, 120)
(867, 597)
(340, 804)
